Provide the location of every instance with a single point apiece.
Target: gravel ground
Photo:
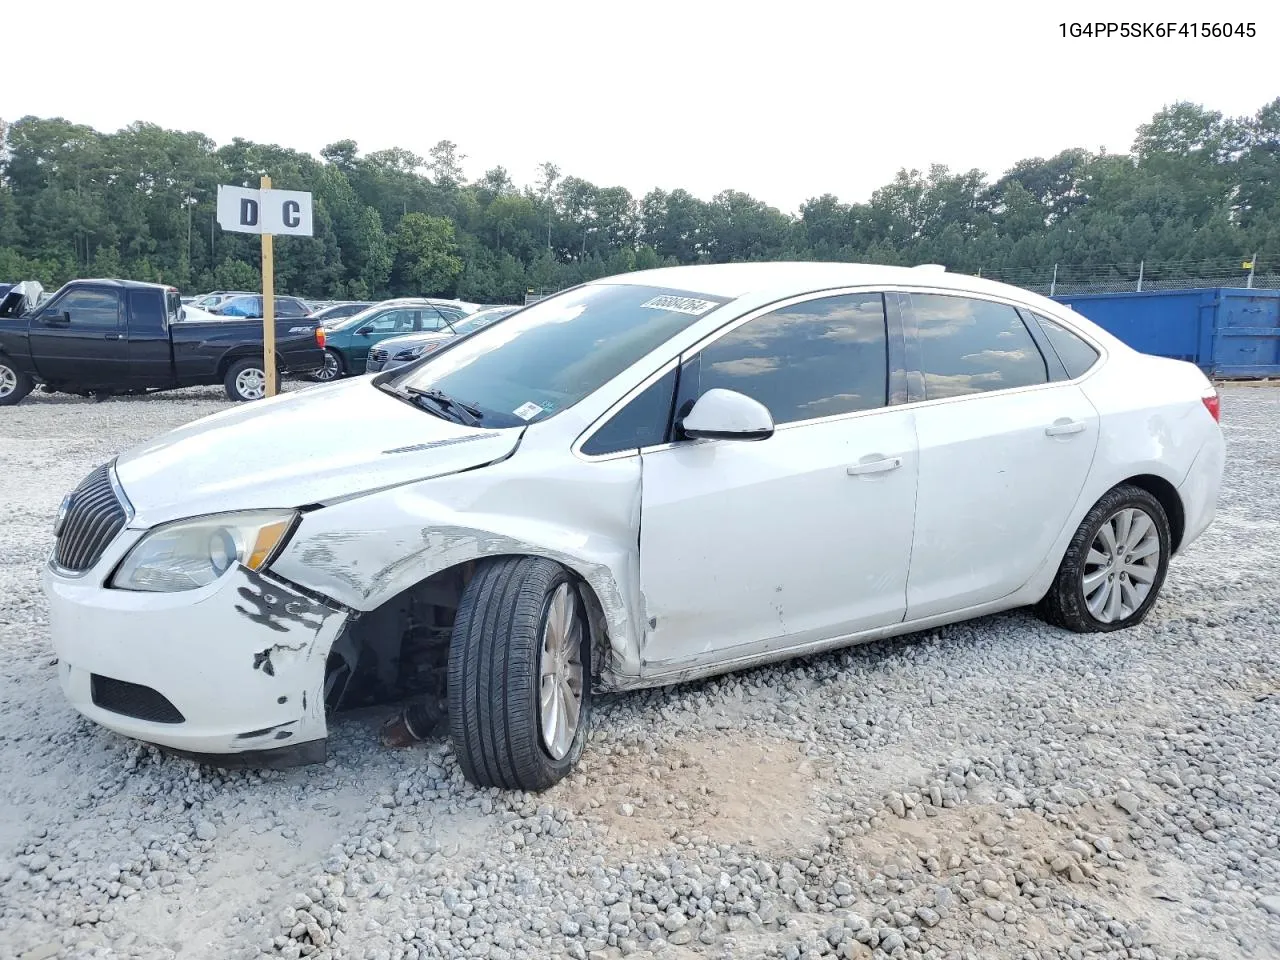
(995, 789)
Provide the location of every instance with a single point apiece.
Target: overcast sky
(798, 99)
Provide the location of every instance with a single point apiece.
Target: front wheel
(519, 675)
(14, 384)
(1114, 566)
(246, 380)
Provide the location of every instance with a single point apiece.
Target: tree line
(139, 203)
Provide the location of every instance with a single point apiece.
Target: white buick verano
(641, 480)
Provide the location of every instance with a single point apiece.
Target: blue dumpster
(1226, 331)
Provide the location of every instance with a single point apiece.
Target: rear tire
(1114, 567)
(335, 367)
(14, 384)
(246, 380)
(507, 675)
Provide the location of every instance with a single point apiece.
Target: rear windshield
(548, 356)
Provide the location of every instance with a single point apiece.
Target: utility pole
(1141, 265)
(1253, 263)
(1053, 284)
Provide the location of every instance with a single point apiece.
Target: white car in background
(645, 479)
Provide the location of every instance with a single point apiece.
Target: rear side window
(289, 307)
(147, 309)
(1076, 355)
(969, 346)
(641, 423)
(813, 359)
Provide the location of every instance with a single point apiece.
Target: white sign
(246, 210)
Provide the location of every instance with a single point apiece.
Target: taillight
(1213, 403)
(321, 338)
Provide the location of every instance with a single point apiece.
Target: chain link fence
(1143, 276)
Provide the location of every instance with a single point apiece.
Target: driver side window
(817, 358)
(98, 309)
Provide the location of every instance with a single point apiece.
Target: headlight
(412, 353)
(193, 553)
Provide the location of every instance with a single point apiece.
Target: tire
(1072, 604)
(14, 384)
(335, 367)
(496, 719)
(240, 379)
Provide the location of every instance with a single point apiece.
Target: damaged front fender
(363, 552)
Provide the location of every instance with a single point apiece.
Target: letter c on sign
(290, 213)
(248, 212)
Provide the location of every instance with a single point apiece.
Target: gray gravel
(993, 789)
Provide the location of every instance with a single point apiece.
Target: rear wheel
(519, 678)
(14, 384)
(334, 366)
(246, 379)
(1114, 566)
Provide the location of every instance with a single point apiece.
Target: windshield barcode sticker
(690, 305)
(527, 411)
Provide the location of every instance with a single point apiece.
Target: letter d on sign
(240, 209)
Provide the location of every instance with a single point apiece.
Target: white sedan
(641, 480)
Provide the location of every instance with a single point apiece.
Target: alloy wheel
(561, 673)
(1122, 565)
(252, 383)
(8, 381)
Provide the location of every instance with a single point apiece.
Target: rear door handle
(113, 336)
(1064, 429)
(874, 466)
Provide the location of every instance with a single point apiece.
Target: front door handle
(1064, 428)
(874, 466)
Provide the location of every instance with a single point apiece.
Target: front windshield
(550, 355)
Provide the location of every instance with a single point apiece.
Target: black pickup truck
(103, 337)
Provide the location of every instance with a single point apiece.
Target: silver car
(398, 351)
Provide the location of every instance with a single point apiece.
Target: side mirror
(364, 331)
(60, 318)
(727, 415)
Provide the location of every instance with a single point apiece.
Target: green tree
(426, 255)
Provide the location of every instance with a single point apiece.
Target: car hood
(311, 446)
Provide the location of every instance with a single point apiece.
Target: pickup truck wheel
(333, 368)
(519, 675)
(246, 380)
(14, 384)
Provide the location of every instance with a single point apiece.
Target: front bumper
(241, 662)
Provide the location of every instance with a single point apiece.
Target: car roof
(791, 278)
(124, 284)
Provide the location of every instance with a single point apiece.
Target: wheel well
(400, 650)
(233, 356)
(1167, 494)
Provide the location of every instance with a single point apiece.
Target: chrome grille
(94, 515)
(378, 354)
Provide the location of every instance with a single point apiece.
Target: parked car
(398, 351)
(119, 336)
(328, 313)
(250, 307)
(638, 481)
(210, 300)
(350, 340)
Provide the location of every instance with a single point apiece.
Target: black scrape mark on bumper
(262, 661)
(271, 606)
